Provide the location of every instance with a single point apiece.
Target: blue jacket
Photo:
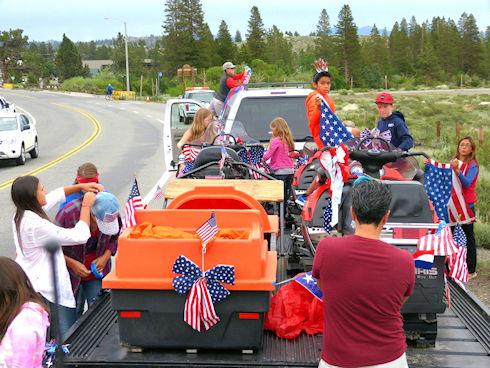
(400, 136)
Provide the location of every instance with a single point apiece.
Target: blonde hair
(197, 128)
(281, 129)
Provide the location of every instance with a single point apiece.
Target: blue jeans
(67, 317)
(87, 292)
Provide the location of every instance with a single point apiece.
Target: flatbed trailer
(463, 340)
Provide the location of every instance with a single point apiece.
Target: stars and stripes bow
(442, 242)
(190, 152)
(369, 135)
(205, 289)
(445, 191)
(332, 131)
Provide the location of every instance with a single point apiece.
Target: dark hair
(319, 75)
(370, 201)
(15, 290)
(473, 149)
(24, 196)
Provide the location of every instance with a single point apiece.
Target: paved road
(121, 138)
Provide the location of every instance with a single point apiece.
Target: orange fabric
(147, 230)
(313, 114)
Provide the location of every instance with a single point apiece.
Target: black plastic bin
(155, 319)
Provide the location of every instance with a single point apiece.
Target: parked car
(17, 136)
(247, 116)
(6, 106)
(202, 94)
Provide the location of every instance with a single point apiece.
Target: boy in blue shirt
(394, 121)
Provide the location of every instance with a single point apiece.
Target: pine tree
(400, 48)
(238, 36)
(445, 40)
(322, 41)
(415, 40)
(256, 35)
(224, 44)
(68, 60)
(348, 44)
(470, 46)
(427, 61)
(278, 48)
(207, 46)
(12, 44)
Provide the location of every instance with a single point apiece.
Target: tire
(35, 151)
(21, 160)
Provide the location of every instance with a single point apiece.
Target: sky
(84, 20)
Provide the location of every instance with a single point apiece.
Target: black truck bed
(94, 342)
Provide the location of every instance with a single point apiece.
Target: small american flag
(208, 230)
(445, 191)
(442, 243)
(458, 268)
(158, 193)
(332, 131)
(190, 152)
(134, 203)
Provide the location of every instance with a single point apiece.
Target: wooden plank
(261, 190)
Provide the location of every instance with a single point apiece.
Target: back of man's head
(370, 201)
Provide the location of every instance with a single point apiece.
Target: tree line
(431, 53)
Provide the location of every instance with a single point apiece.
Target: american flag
(134, 203)
(224, 155)
(253, 156)
(442, 243)
(445, 191)
(458, 268)
(204, 290)
(332, 131)
(309, 283)
(158, 193)
(190, 152)
(327, 217)
(208, 230)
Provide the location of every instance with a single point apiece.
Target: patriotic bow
(49, 353)
(375, 133)
(204, 290)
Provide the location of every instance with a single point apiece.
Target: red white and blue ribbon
(49, 353)
(375, 133)
(205, 290)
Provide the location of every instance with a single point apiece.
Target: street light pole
(126, 49)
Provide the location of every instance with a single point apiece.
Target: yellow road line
(93, 136)
(19, 94)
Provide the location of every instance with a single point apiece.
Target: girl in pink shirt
(23, 319)
(278, 154)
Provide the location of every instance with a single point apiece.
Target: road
(122, 138)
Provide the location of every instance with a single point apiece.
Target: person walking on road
(109, 91)
(365, 282)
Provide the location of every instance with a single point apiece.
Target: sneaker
(301, 200)
(472, 275)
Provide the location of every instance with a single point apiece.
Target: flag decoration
(327, 217)
(458, 268)
(424, 259)
(208, 230)
(369, 135)
(245, 80)
(188, 166)
(49, 353)
(190, 152)
(332, 131)
(320, 66)
(302, 160)
(442, 242)
(134, 203)
(158, 193)
(445, 191)
(253, 156)
(224, 155)
(205, 290)
(309, 283)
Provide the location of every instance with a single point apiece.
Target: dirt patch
(480, 285)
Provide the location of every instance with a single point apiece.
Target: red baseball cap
(384, 98)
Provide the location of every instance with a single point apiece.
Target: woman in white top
(33, 229)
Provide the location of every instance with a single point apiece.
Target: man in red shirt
(365, 282)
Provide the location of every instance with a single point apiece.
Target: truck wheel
(35, 151)
(21, 160)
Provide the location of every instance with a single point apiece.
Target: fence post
(438, 130)
(480, 136)
(365, 118)
(458, 131)
(141, 85)
(386, 81)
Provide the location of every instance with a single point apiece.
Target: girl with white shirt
(33, 229)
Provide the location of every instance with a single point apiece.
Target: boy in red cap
(394, 121)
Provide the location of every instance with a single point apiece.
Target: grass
(422, 111)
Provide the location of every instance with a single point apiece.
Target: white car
(6, 106)
(17, 136)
